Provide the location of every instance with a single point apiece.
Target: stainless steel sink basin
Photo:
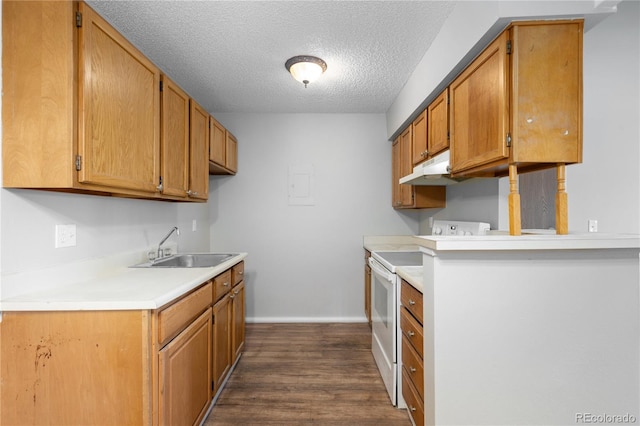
(197, 260)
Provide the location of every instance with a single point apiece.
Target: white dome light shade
(305, 69)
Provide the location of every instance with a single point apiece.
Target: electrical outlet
(65, 236)
(593, 225)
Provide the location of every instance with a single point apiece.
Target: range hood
(434, 172)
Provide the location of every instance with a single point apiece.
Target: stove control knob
(459, 232)
(437, 231)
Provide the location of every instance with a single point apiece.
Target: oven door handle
(381, 270)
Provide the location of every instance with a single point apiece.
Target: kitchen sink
(197, 260)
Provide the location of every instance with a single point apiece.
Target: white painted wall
(104, 225)
(306, 263)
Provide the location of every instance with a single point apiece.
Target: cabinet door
(119, 109)
(199, 153)
(221, 361)
(395, 174)
(547, 92)
(237, 322)
(217, 142)
(185, 374)
(420, 138)
(367, 293)
(406, 191)
(232, 153)
(174, 139)
(438, 118)
(479, 109)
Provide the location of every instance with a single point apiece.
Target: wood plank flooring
(300, 374)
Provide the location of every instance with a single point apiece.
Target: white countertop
(414, 275)
(103, 284)
(589, 241)
(497, 241)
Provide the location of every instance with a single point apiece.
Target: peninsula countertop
(107, 284)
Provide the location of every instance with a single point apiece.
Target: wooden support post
(562, 221)
(514, 202)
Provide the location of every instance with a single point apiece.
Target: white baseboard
(262, 320)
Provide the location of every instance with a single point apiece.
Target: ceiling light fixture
(305, 69)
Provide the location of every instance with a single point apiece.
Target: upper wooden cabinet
(520, 101)
(410, 196)
(223, 150)
(174, 139)
(119, 109)
(419, 128)
(438, 119)
(199, 153)
(83, 111)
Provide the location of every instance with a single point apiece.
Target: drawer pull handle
(241, 273)
(226, 284)
(412, 369)
(411, 333)
(411, 302)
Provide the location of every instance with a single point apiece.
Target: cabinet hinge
(78, 163)
(508, 47)
(508, 139)
(161, 85)
(78, 19)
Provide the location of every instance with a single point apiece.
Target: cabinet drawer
(412, 362)
(174, 318)
(412, 300)
(412, 330)
(237, 273)
(415, 406)
(221, 285)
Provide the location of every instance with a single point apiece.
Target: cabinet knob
(226, 284)
(412, 369)
(411, 333)
(236, 291)
(191, 193)
(241, 273)
(412, 408)
(411, 302)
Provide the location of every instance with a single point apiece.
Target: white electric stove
(386, 340)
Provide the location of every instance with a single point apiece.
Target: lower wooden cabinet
(411, 315)
(142, 367)
(228, 332)
(237, 321)
(185, 374)
(221, 355)
(367, 286)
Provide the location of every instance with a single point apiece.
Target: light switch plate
(65, 236)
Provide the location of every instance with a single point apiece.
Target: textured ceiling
(230, 55)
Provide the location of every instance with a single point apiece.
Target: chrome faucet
(174, 229)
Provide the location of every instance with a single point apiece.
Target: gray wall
(306, 262)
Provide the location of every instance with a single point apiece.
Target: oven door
(383, 324)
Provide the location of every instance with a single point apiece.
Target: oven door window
(383, 303)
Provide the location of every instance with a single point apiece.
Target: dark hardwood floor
(300, 374)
